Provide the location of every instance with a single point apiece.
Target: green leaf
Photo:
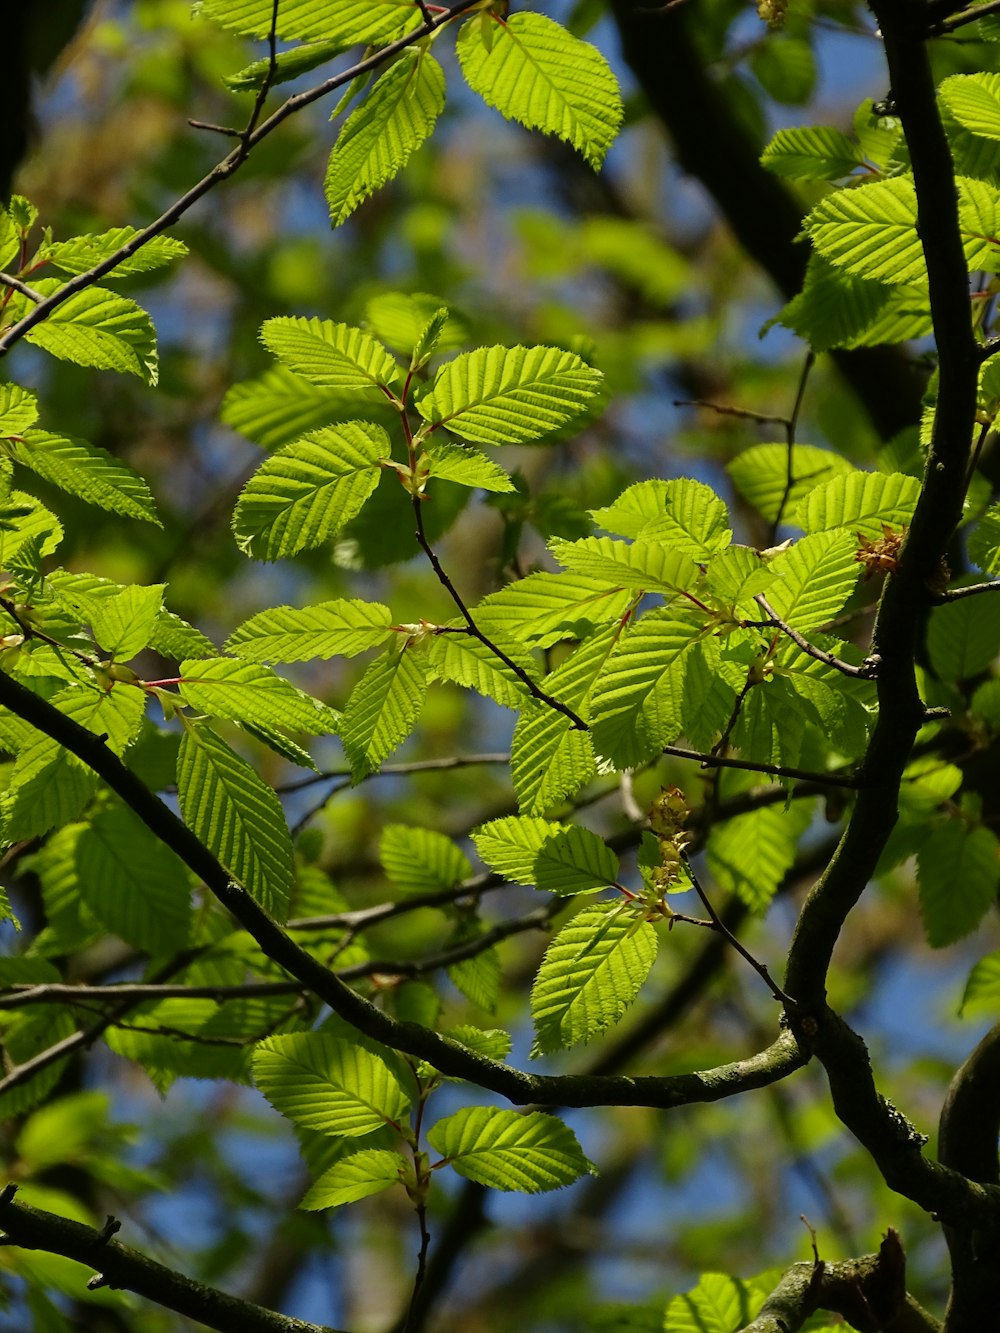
(812, 153)
(280, 406)
(49, 786)
(84, 470)
(357, 1176)
(18, 410)
(468, 467)
(550, 758)
(123, 623)
(507, 1150)
(135, 887)
(346, 21)
(479, 979)
(80, 253)
(761, 475)
(642, 565)
(871, 231)
(402, 321)
(509, 846)
(98, 328)
(533, 71)
(735, 577)
(468, 661)
(494, 1043)
(307, 491)
(833, 308)
(785, 67)
(958, 871)
(340, 628)
(287, 65)
(331, 356)
(816, 577)
(383, 708)
(861, 501)
(252, 693)
(984, 541)
(25, 521)
(963, 637)
(718, 1304)
(749, 855)
(545, 608)
(982, 990)
(237, 816)
(637, 704)
(421, 860)
(328, 1084)
(574, 860)
(591, 973)
(509, 395)
(384, 131)
(974, 101)
(694, 523)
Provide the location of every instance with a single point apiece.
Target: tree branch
(126, 1269)
(869, 1292)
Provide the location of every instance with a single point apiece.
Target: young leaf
(331, 356)
(509, 395)
(592, 971)
(80, 253)
(356, 1177)
(468, 467)
(49, 786)
(575, 860)
(462, 658)
(510, 845)
(123, 623)
(384, 131)
(815, 578)
(346, 21)
(545, 608)
(958, 871)
(383, 708)
(85, 470)
(982, 990)
(280, 406)
(812, 153)
(250, 693)
(636, 707)
(833, 307)
(861, 501)
(134, 886)
(695, 521)
(98, 328)
(305, 492)
(974, 101)
(403, 321)
(339, 628)
(236, 815)
(532, 70)
(327, 1084)
(762, 473)
(749, 855)
(984, 541)
(963, 637)
(550, 758)
(643, 565)
(287, 65)
(421, 860)
(506, 1150)
(718, 1304)
(18, 410)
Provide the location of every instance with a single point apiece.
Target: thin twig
(472, 628)
(970, 590)
(8, 280)
(791, 426)
(751, 766)
(719, 925)
(866, 671)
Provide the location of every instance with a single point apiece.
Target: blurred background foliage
(641, 268)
